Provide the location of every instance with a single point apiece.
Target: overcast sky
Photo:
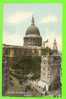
(17, 18)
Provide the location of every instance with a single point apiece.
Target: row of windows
(34, 42)
(16, 52)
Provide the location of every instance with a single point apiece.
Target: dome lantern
(33, 22)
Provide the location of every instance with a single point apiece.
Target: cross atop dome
(33, 22)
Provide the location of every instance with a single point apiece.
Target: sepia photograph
(32, 49)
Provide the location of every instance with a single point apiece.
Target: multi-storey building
(33, 57)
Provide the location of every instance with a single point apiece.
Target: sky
(17, 18)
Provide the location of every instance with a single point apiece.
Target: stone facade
(44, 64)
(45, 70)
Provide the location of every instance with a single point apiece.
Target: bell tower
(55, 49)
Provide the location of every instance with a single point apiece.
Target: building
(50, 73)
(32, 36)
(44, 63)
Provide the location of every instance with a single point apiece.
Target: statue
(44, 42)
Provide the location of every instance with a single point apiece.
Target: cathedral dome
(32, 37)
(32, 29)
